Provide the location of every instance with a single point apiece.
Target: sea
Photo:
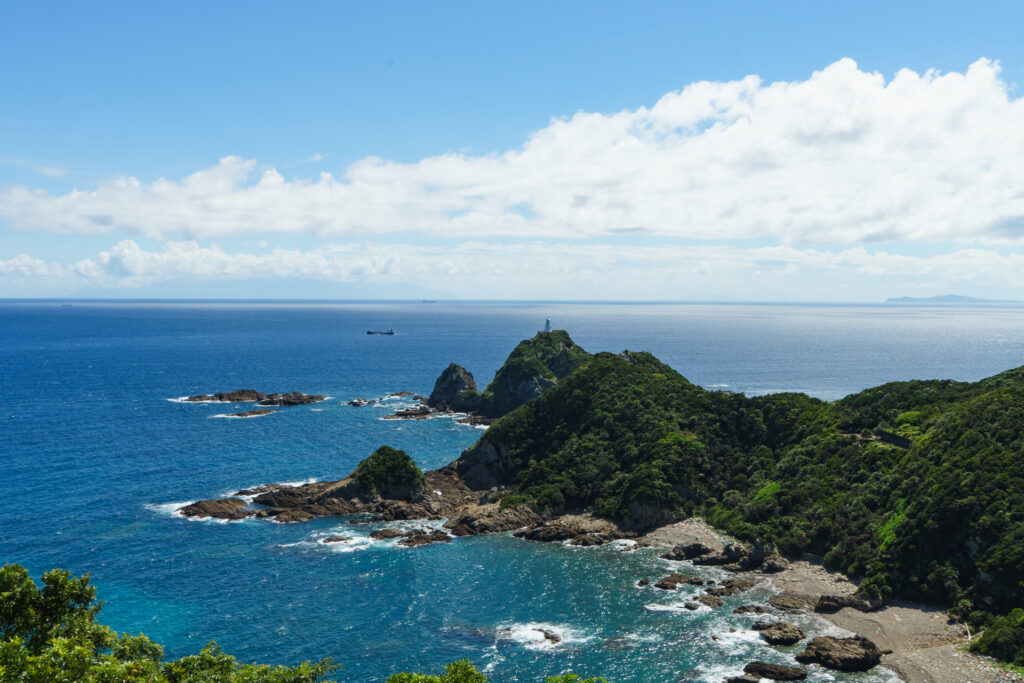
(98, 453)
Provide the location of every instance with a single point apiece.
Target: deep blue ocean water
(95, 458)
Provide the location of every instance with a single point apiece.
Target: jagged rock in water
(254, 413)
(385, 534)
(732, 587)
(779, 633)
(294, 398)
(750, 609)
(710, 601)
(842, 654)
(671, 582)
(336, 539)
(419, 537)
(775, 672)
(221, 508)
(236, 396)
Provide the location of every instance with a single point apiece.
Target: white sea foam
(532, 637)
(316, 410)
(233, 493)
(169, 509)
(174, 510)
(675, 607)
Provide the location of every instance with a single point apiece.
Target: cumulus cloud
(842, 157)
(545, 271)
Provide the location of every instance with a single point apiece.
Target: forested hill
(916, 486)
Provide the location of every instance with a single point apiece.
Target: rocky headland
(590, 449)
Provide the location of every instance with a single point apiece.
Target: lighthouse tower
(547, 324)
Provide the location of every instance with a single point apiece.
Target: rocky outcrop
(492, 520)
(294, 398)
(775, 672)
(254, 413)
(710, 601)
(417, 413)
(791, 602)
(336, 539)
(450, 390)
(386, 534)
(484, 465)
(687, 551)
(842, 654)
(361, 402)
(730, 554)
(779, 632)
(236, 396)
(418, 537)
(673, 581)
(828, 604)
(732, 587)
(751, 609)
(223, 508)
(573, 530)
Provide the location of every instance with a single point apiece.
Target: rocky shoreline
(292, 398)
(914, 641)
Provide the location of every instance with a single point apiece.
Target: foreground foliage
(915, 486)
(50, 635)
(463, 671)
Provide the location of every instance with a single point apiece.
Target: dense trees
(915, 486)
(50, 635)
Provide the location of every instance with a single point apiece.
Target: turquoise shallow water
(96, 458)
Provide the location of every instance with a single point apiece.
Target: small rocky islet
(292, 398)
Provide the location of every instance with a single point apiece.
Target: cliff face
(454, 390)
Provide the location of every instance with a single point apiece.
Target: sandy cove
(925, 647)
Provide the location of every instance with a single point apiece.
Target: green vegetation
(914, 486)
(464, 672)
(391, 473)
(1004, 638)
(533, 366)
(50, 635)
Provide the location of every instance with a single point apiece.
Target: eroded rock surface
(842, 654)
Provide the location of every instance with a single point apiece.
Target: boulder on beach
(779, 632)
(687, 551)
(842, 654)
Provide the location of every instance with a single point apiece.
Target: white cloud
(547, 271)
(842, 157)
(317, 157)
(53, 171)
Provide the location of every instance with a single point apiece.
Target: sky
(732, 151)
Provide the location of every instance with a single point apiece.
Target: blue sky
(512, 150)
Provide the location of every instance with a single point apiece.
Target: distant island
(947, 299)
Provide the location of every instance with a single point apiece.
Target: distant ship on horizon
(387, 331)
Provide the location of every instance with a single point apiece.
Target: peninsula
(910, 487)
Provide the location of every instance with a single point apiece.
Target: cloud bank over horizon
(879, 168)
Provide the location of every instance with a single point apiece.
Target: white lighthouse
(547, 324)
